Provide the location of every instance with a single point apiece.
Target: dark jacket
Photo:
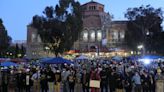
(104, 77)
(86, 80)
(51, 76)
(44, 82)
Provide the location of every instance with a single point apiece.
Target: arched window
(99, 35)
(85, 36)
(92, 36)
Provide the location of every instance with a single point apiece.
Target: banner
(94, 83)
(104, 42)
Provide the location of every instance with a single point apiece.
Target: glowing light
(140, 47)
(146, 61)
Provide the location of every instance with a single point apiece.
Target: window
(85, 36)
(99, 35)
(92, 36)
(39, 39)
(92, 7)
(115, 35)
(122, 35)
(33, 37)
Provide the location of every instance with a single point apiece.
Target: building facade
(99, 31)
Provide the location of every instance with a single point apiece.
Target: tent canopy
(56, 60)
(8, 63)
(150, 57)
(117, 58)
(82, 57)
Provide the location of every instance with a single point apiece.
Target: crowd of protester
(122, 76)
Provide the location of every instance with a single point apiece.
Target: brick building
(99, 27)
(98, 31)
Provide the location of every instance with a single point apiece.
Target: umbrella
(56, 60)
(8, 63)
(117, 58)
(82, 57)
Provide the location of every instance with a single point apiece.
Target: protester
(112, 81)
(128, 82)
(119, 83)
(36, 81)
(145, 81)
(71, 81)
(12, 81)
(114, 76)
(65, 75)
(44, 83)
(78, 84)
(95, 76)
(85, 81)
(104, 80)
(152, 83)
(57, 80)
(136, 79)
(5, 80)
(19, 81)
(28, 81)
(51, 80)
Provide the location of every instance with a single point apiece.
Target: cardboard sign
(160, 86)
(94, 83)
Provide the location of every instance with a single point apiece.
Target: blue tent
(150, 57)
(8, 63)
(132, 57)
(56, 60)
(117, 58)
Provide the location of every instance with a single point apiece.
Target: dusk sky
(17, 14)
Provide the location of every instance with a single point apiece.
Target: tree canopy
(144, 27)
(4, 38)
(60, 26)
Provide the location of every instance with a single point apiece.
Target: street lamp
(140, 47)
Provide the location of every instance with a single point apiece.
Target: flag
(104, 42)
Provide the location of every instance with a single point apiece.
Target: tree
(144, 25)
(60, 26)
(16, 52)
(4, 39)
(23, 50)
